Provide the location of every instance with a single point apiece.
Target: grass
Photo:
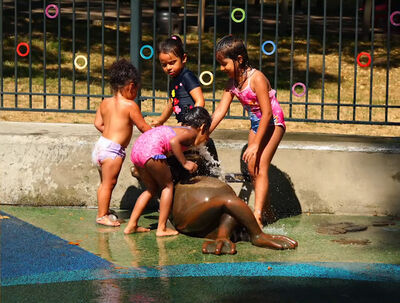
(62, 79)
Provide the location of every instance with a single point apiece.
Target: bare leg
(162, 175)
(141, 202)
(258, 169)
(155, 175)
(165, 208)
(109, 175)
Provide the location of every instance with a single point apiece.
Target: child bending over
(149, 155)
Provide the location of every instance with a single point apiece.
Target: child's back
(118, 114)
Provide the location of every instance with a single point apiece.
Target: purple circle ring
(392, 18)
(55, 7)
(299, 84)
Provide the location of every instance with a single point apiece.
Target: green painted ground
(77, 226)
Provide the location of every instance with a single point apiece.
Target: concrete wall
(50, 164)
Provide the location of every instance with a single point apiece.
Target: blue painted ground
(32, 256)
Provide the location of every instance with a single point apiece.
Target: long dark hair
(172, 45)
(231, 47)
(196, 117)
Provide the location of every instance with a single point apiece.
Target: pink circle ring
(299, 84)
(364, 64)
(27, 49)
(392, 18)
(55, 7)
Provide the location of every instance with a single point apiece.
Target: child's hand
(250, 153)
(190, 166)
(155, 123)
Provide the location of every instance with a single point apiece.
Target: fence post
(136, 37)
(1, 53)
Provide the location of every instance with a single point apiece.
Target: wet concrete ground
(61, 253)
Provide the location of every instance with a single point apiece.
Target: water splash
(275, 230)
(213, 165)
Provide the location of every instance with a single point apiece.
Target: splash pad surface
(65, 250)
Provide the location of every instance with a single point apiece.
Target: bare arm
(167, 112)
(186, 137)
(197, 95)
(136, 116)
(221, 109)
(98, 121)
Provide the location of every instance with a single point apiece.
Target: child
(185, 90)
(254, 91)
(149, 154)
(115, 119)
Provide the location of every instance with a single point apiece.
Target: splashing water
(212, 164)
(275, 230)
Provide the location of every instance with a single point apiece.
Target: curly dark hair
(121, 73)
(196, 117)
(172, 45)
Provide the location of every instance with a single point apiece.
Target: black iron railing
(330, 61)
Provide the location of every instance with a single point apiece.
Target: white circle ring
(206, 73)
(76, 62)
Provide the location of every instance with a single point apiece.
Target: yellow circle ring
(76, 62)
(206, 73)
(238, 10)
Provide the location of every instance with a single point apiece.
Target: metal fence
(330, 61)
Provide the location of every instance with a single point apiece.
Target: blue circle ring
(151, 52)
(273, 47)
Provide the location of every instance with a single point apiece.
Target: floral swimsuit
(249, 100)
(180, 93)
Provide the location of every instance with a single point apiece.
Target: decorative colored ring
(48, 8)
(238, 10)
(76, 62)
(27, 49)
(299, 84)
(206, 73)
(273, 47)
(151, 52)
(392, 18)
(364, 64)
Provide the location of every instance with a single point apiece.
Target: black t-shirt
(180, 89)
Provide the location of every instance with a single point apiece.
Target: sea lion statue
(204, 206)
(208, 207)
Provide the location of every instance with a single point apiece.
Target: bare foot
(107, 221)
(274, 241)
(135, 229)
(166, 232)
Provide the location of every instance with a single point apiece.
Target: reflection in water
(112, 290)
(108, 291)
(131, 242)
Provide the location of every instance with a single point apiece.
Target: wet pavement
(60, 254)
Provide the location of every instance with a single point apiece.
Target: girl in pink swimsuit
(149, 154)
(254, 91)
